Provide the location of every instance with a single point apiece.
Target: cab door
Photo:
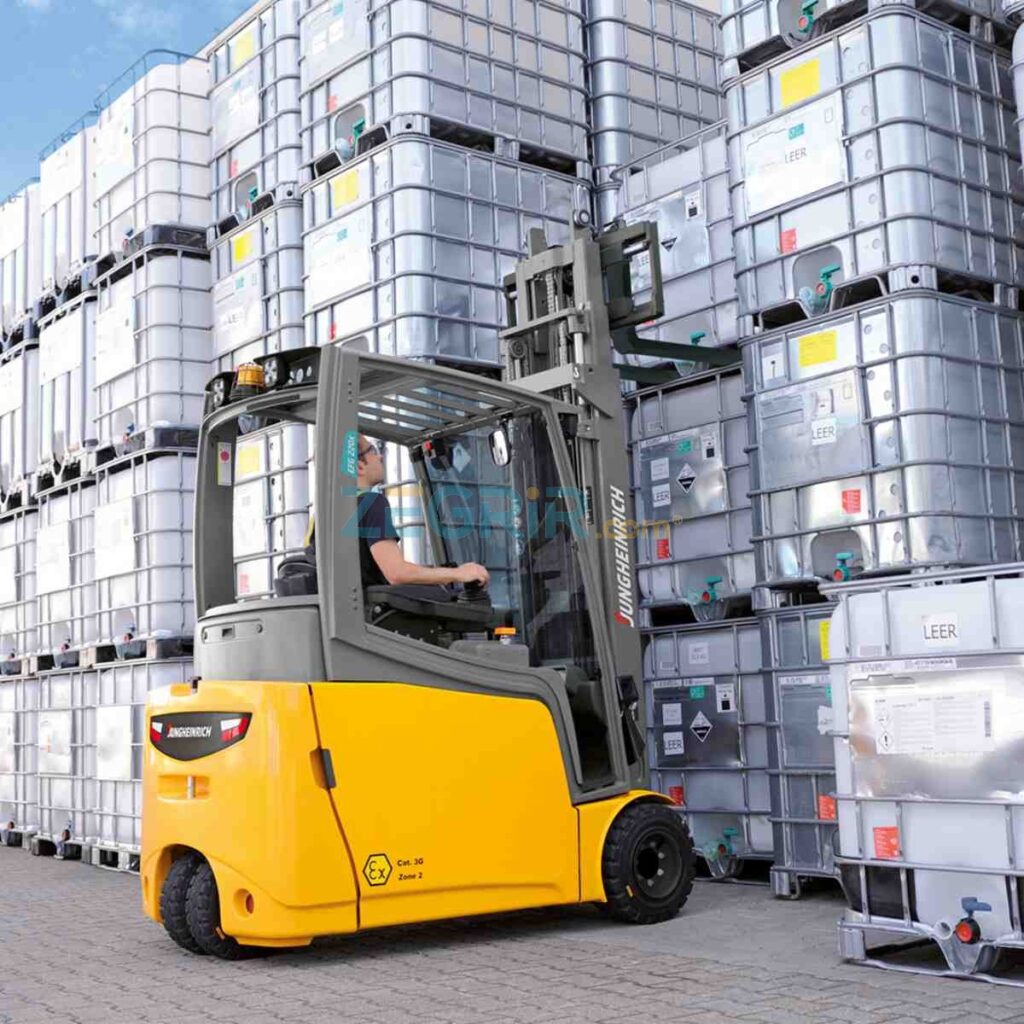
(453, 803)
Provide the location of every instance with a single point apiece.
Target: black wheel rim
(657, 864)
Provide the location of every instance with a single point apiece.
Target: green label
(684, 447)
(796, 131)
(828, 694)
(697, 692)
(350, 454)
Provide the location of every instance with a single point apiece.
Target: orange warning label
(787, 240)
(675, 794)
(887, 842)
(826, 807)
(664, 549)
(851, 500)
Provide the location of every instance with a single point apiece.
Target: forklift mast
(569, 309)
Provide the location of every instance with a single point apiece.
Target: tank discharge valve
(816, 300)
(967, 930)
(805, 22)
(843, 571)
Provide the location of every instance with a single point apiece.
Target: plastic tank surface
(19, 753)
(67, 755)
(408, 246)
(143, 531)
(684, 188)
(152, 343)
(653, 69)
(798, 696)
(20, 256)
(18, 612)
(886, 151)
(65, 570)
(68, 209)
(889, 436)
(707, 736)
(418, 65)
(67, 401)
(19, 414)
(153, 151)
(254, 111)
(257, 291)
(691, 478)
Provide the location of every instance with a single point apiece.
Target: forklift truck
(352, 759)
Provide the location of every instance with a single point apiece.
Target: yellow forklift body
(444, 804)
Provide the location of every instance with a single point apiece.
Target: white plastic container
(19, 753)
(152, 343)
(67, 402)
(68, 206)
(19, 413)
(67, 755)
(258, 295)
(65, 570)
(120, 735)
(153, 150)
(20, 255)
(18, 612)
(254, 110)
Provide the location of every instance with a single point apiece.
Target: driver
(380, 558)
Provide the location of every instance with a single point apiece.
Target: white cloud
(35, 5)
(134, 16)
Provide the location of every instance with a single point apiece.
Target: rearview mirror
(499, 447)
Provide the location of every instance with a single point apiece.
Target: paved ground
(75, 948)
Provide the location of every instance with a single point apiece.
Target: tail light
(192, 734)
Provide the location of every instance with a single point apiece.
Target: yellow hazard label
(800, 82)
(242, 246)
(243, 47)
(345, 189)
(823, 632)
(818, 348)
(248, 460)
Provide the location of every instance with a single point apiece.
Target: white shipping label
(338, 257)
(671, 714)
(725, 697)
(114, 743)
(11, 387)
(661, 495)
(666, 684)
(672, 744)
(237, 310)
(115, 339)
(249, 523)
(115, 146)
(8, 577)
(7, 762)
(61, 346)
(941, 629)
(901, 666)
(698, 654)
(773, 362)
(659, 467)
(692, 205)
(53, 558)
(709, 444)
(915, 723)
(115, 538)
(826, 719)
(794, 155)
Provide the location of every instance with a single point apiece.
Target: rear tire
(648, 864)
(202, 909)
(173, 896)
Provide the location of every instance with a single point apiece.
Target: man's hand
(470, 572)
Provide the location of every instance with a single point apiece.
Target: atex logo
(377, 869)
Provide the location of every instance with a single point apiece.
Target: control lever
(474, 591)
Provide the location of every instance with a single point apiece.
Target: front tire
(648, 864)
(202, 910)
(173, 897)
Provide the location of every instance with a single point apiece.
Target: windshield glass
(519, 522)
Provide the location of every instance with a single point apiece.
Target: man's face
(371, 463)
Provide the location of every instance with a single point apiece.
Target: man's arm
(397, 571)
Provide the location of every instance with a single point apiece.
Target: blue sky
(56, 56)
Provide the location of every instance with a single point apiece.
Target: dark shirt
(375, 524)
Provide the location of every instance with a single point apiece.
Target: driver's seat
(429, 612)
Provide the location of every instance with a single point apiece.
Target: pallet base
(914, 950)
(788, 883)
(43, 845)
(113, 858)
(153, 649)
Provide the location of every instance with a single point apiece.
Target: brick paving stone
(76, 949)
